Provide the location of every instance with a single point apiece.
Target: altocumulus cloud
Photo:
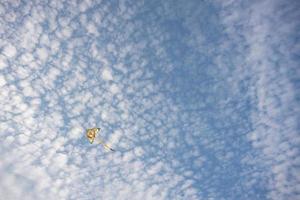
(198, 98)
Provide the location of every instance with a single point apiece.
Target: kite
(91, 135)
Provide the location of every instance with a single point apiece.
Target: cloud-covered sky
(199, 99)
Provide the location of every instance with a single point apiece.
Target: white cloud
(26, 58)
(3, 63)
(66, 32)
(9, 50)
(42, 53)
(9, 140)
(60, 160)
(114, 89)
(76, 132)
(92, 29)
(2, 81)
(107, 75)
(138, 151)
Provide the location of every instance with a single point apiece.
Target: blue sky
(199, 99)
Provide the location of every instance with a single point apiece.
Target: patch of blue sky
(198, 98)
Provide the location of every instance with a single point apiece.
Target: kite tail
(105, 145)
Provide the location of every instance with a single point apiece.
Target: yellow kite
(91, 135)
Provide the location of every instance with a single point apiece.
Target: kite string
(105, 145)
